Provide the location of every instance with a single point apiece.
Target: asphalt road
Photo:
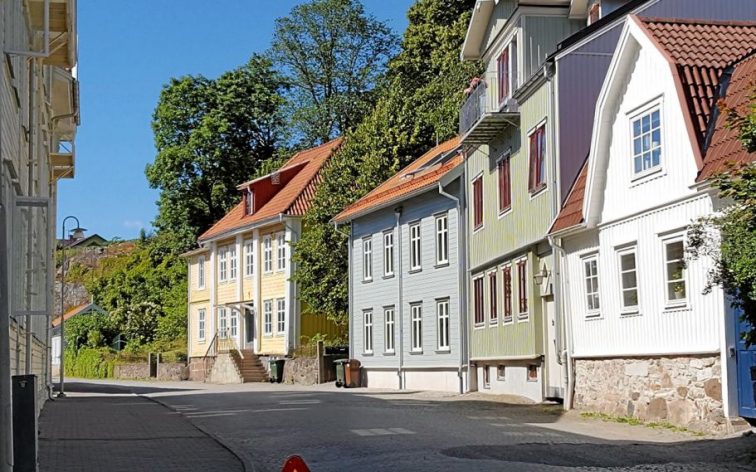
(353, 430)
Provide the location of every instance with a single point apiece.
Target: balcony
(482, 116)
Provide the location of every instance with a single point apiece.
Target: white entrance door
(554, 389)
(250, 340)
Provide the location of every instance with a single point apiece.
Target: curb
(244, 458)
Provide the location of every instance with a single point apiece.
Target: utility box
(24, 396)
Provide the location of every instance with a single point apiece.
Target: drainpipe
(466, 277)
(400, 307)
(462, 261)
(29, 228)
(565, 355)
(6, 427)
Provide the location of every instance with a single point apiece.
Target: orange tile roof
(724, 146)
(572, 210)
(409, 180)
(701, 51)
(294, 199)
(75, 311)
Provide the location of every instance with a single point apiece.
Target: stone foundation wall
(684, 391)
(196, 367)
(301, 370)
(224, 371)
(172, 371)
(132, 371)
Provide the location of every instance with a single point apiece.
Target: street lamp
(77, 230)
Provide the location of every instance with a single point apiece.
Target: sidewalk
(108, 427)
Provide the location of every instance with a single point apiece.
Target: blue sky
(126, 54)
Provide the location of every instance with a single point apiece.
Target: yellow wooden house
(241, 293)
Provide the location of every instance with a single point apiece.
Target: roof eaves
(380, 206)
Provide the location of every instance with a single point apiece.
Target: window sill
(389, 353)
(388, 276)
(201, 341)
(677, 308)
(415, 271)
(269, 335)
(249, 276)
(479, 325)
(366, 281)
(416, 353)
(594, 317)
(630, 313)
(493, 323)
(646, 175)
(507, 321)
(443, 351)
(478, 229)
(505, 212)
(367, 354)
(441, 265)
(523, 317)
(537, 191)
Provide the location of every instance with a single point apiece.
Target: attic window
(249, 202)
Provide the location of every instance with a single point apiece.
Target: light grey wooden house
(406, 258)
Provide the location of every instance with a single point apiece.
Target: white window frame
(249, 258)
(268, 317)
(267, 254)
(367, 259)
(280, 315)
(416, 327)
(442, 239)
(638, 114)
(233, 330)
(201, 272)
(281, 252)
(249, 202)
(233, 263)
(677, 302)
(367, 332)
(222, 323)
(201, 314)
(591, 312)
(416, 259)
(223, 264)
(388, 253)
(443, 324)
(389, 320)
(620, 254)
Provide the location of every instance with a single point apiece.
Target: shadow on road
(108, 389)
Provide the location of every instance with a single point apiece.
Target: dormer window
(647, 145)
(249, 202)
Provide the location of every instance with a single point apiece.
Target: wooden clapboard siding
(540, 37)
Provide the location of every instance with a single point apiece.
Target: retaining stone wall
(301, 370)
(685, 391)
(224, 371)
(132, 371)
(172, 371)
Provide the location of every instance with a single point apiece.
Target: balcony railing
(483, 115)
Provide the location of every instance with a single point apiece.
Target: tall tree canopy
(331, 53)
(211, 135)
(417, 106)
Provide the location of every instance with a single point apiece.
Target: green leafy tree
(210, 135)
(417, 106)
(89, 330)
(331, 53)
(729, 237)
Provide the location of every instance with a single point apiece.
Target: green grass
(630, 420)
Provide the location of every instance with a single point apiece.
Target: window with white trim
(232, 262)
(234, 319)
(249, 258)
(281, 251)
(249, 202)
(201, 272)
(676, 291)
(416, 328)
(267, 254)
(281, 315)
(507, 292)
(442, 239)
(646, 134)
(367, 259)
(367, 317)
(522, 289)
(390, 336)
(442, 317)
(388, 253)
(493, 298)
(537, 155)
(477, 202)
(222, 323)
(223, 264)
(591, 277)
(628, 279)
(268, 317)
(201, 324)
(478, 300)
(415, 254)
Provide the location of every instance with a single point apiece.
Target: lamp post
(78, 229)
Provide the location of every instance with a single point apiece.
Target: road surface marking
(300, 402)
(381, 431)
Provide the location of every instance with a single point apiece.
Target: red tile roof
(701, 50)
(77, 310)
(294, 199)
(409, 180)
(572, 210)
(724, 146)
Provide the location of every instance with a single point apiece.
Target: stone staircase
(250, 368)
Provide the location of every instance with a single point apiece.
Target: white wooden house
(646, 340)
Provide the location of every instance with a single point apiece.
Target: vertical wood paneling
(541, 35)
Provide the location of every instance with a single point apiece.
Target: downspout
(29, 190)
(461, 296)
(564, 324)
(6, 426)
(400, 307)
